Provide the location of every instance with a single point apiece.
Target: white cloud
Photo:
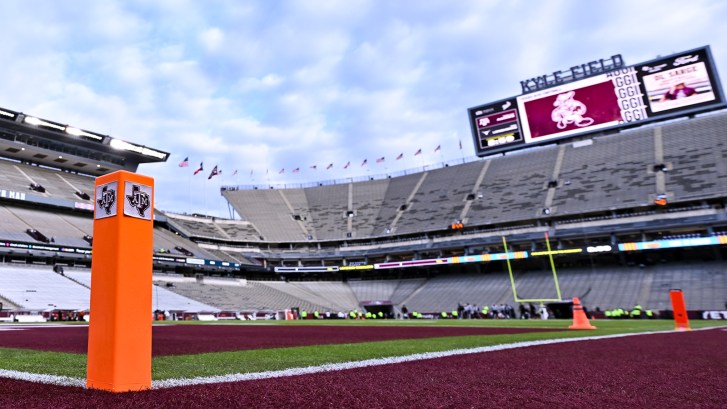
(212, 39)
(259, 85)
(268, 81)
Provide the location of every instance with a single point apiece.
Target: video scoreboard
(679, 84)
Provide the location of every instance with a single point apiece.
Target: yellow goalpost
(552, 267)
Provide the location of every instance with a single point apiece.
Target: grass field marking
(43, 378)
(171, 383)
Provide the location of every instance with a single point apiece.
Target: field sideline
(383, 364)
(38, 361)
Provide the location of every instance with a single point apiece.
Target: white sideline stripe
(43, 378)
(171, 383)
(204, 380)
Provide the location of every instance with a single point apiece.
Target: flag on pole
(438, 148)
(314, 167)
(213, 173)
(365, 161)
(201, 168)
(381, 159)
(418, 152)
(234, 173)
(347, 165)
(296, 170)
(184, 163)
(460, 145)
(281, 171)
(329, 166)
(401, 155)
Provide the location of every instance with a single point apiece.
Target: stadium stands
(704, 285)
(54, 226)
(249, 295)
(270, 211)
(611, 173)
(61, 185)
(328, 206)
(366, 201)
(373, 290)
(695, 154)
(40, 288)
(600, 189)
(514, 188)
(440, 199)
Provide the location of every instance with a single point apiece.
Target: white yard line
(43, 378)
(204, 380)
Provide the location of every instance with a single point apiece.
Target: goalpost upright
(552, 267)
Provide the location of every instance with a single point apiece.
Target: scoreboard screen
(496, 125)
(679, 84)
(599, 102)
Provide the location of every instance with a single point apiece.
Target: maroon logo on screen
(577, 109)
(569, 110)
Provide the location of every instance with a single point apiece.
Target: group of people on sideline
(637, 312)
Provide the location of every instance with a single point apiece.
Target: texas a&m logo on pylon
(106, 200)
(138, 200)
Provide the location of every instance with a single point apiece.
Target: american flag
(364, 162)
(184, 163)
(381, 159)
(418, 152)
(329, 166)
(296, 170)
(214, 172)
(438, 148)
(401, 155)
(347, 165)
(281, 171)
(314, 167)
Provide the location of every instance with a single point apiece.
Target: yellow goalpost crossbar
(552, 267)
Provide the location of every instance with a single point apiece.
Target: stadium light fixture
(126, 146)
(79, 132)
(39, 122)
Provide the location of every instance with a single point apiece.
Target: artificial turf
(256, 360)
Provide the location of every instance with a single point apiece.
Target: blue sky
(260, 86)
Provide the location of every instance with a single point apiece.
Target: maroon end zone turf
(674, 370)
(195, 339)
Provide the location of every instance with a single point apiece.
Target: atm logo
(107, 199)
(139, 200)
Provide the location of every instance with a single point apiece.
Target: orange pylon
(580, 321)
(681, 320)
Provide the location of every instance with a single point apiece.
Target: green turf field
(221, 363)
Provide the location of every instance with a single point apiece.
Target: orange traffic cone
(580, 321)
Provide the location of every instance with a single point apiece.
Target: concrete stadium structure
(598, 190)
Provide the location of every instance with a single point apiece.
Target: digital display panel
(581, 106)
(679, 82)
(682, 83)
(496, 126)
